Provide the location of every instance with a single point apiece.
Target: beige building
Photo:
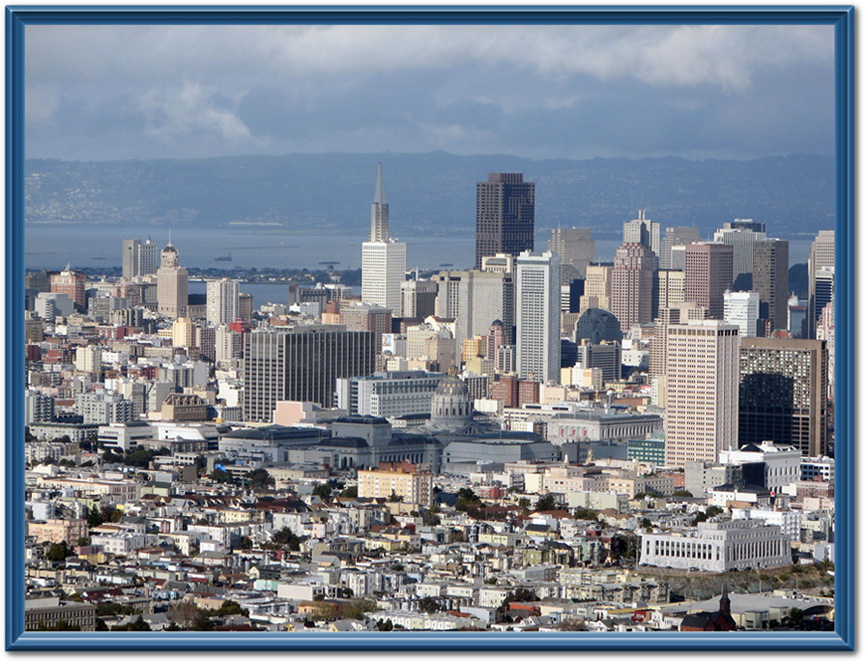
(172, 285)
(599, 287)
(702, 416)
(404, 480)
(58, 530)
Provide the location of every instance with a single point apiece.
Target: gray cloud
(95, 92)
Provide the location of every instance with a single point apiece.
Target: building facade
(538, 320)
(702, 414)
(505, 216)
(301, 364)
(783, 393)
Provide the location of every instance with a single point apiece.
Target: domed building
(597, 325)
(452, 405)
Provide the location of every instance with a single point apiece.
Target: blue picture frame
(842, 639)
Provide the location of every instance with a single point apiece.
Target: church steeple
(724, 603)
(379, 227)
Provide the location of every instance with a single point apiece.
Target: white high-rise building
(822, 257)
(702, 415)
(743, 310)
(383, 259)
(539, 347)
(139, 259)
(223, 297)
(148, 258)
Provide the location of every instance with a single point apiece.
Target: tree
(467, 499)
(349, 492)
(58, 551)
(83, 541)
(221, 476)
(429, 605)
(322, 491)
(286, 538)
(394, 497)
(430, 517)
(357, 609)
(585, 513)
(682, 493)
(546, 502)
(259, 479)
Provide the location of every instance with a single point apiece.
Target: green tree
(682, 493)
(286, 538)
(394, 497)
(58, 551)
(546, 502)
(322, 491)
(349, 492)
(259, 479)
(221, 476)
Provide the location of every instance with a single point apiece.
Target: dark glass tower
(505, 216)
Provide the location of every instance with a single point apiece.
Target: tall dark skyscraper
(505, 216)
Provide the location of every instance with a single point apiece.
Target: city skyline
(553, 435)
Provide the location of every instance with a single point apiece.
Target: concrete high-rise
(742, 236)
(139, 259)
(783, 393)
(671, 287)
(223, 301)
(643, 231)
(599, 287)
(475, 299)
(539, 344)
(576, 248)
(634, 288)
(130, 258)
(822, 256)
(301, 364)
(148, 258)
(708, 274)
(743, 310)
(771, 275)
(383, 259)
(681, 236)
(702, 407)
(505, 216)
(172, 285)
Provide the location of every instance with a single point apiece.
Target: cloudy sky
(107, 92)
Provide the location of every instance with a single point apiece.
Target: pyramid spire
(379, 188)
(379, 227)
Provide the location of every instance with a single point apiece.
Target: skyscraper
(743, 310)
(539, 343)
(301, 364)
(475, 299)
(822, 256)
(702, 414)
(148, 258)
(130, 258)
(223, 299)
(643, 231)
(771, 274)
(505, 216)
(783, 393)
(598, 288)
(172, 285)
(708, 274)
(576, 248)
(676, 237)
(634, 297)
(383, 259)
(742, 235)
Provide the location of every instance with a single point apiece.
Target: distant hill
(430, 193)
